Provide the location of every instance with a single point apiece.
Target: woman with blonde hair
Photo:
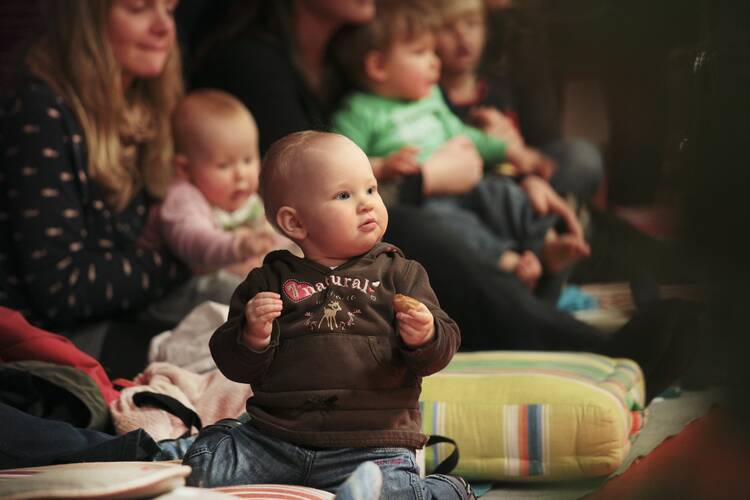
(86, 147)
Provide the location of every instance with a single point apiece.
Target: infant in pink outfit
(210, 217)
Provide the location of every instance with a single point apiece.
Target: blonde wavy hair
(127, 133)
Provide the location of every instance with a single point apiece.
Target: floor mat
(615, 304)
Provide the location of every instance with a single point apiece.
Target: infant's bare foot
(529, 269)
(526, 267)
(561, 251)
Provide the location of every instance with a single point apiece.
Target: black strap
(450, 463)
(170, 405)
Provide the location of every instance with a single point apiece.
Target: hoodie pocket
(334, 361)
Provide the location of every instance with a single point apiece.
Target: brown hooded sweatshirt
(336, 373)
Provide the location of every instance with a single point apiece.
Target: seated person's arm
(455, 168)
(530, 161)
(190, 233)
(494, 150)
(493, 122)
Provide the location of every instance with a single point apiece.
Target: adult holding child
(87, 147)
(398, 115)
(274, 60)
(287, 42)
(300, 89)
(478, 94)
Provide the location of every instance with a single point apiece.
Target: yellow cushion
(523, 415)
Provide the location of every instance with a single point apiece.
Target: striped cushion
(534, 415)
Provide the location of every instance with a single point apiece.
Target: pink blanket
(211, 395)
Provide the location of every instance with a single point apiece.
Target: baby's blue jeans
(234, 453)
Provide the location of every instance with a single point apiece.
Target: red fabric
(709, 459)
(20, 341)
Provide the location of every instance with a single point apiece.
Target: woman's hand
(531, 161)
(454, 168)
(260, 311)
(496, 124)
(545, 200)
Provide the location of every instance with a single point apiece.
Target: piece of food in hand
(506, 169)
(404, 303)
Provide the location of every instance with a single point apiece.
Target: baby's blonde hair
(395, 21)
(283, 163)
(189, 118)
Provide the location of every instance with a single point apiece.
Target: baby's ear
(180, 162)
(287, 220)
(375, 66)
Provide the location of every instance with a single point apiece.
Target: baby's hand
(496, 124)
(251, 243)
(416, 324)
(260, 311)
(243, 267)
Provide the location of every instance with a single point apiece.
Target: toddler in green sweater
(402, 123)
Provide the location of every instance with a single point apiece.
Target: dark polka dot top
(65, 257)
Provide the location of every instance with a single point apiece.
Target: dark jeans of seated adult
(493, 309)
(496, 312)
(29, 441)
